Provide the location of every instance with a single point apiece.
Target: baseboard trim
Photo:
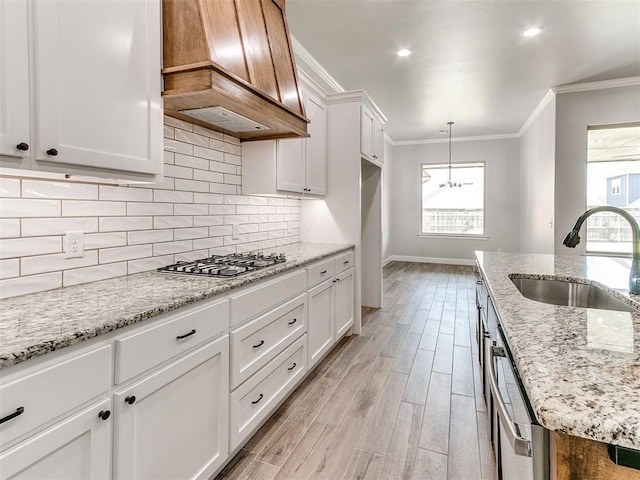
(445, 261)
(387, 261)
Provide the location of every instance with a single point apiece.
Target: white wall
(502, 198)
(537, 163)
(574, 112)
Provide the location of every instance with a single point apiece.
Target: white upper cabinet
(371, 136)
(95, 80)
(285, 166)
(14, 80)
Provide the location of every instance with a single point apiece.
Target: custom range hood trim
(258, 79)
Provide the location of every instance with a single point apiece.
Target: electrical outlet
(74, 244)
(235, 231)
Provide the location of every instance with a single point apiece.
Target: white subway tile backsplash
(9, 268)
(30, 284)
(34, 227)
(190, 233)
(190, 209)
(125, 194)
(137, 228)
(79, 208)
(22, 247)
(191, 162)
(172, 222)
(19, 208)
(268, 209)
(143, 208)
(173, 196)
(192, 185)
(9, 227)
(92, 274)
(167, 248)
(118, 254)
(149, 236)
(105, 240)
(124, 224)
(48, 189)
(146, 264)
(54, 263)
(9, 187)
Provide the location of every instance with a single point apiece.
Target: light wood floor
(401, 401)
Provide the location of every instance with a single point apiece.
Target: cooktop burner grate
(225, 266)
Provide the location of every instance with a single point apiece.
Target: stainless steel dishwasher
(520, 443)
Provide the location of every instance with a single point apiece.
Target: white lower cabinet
(344, 308)
(320, 321)
(77, 448)
(174, 422)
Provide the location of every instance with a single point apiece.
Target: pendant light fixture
(449, 183)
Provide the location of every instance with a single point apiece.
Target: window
(613, 178)
(455, 210)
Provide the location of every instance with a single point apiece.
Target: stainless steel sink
(573, 294)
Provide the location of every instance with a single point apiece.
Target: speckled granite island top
(32, 325)
(580, 366)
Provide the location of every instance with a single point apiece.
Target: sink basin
(572, 294)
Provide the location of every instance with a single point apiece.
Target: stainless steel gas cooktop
(225, 266)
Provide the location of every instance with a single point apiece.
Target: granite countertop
(579, 366)
(35, 324)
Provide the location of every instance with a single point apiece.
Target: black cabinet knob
(23, 146)
(52, 151)
(104, 414)
(130, 400)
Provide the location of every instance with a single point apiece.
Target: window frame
(467, 236)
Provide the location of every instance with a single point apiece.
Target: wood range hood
(229, 66)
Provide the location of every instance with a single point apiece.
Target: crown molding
(585, 87)
(548, 97)
(315, 66)
(478, 138)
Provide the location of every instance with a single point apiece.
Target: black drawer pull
(292, 366)
(258, 400)
(293, 321)
(19, 411)
(180, 337)
(323, 272)
(346, 262)
(104, 414)
(23, 146)
(259, 345)
(130, 400)
(53, 152)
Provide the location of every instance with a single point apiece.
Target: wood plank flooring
(400, 401)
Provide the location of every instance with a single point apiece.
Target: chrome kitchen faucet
(572, 239)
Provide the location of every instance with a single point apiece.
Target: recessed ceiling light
(531, 32)
(403, 52)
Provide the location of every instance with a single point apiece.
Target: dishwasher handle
(521, 445)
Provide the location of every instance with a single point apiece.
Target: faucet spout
(572, 239)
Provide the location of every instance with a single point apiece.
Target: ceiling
(469, 63)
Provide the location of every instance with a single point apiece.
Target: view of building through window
(452, 210)
(613, 178)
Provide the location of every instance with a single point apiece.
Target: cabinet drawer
(255, 301)
(149, 347)
(46, 392)
(257, 342)
(344, 262)
(320, 272)
(254, 400)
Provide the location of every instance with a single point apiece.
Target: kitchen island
(580, 367)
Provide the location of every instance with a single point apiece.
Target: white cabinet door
(316, 145)
(97, 84)
(290, 165)
(344, 310)
(378, 141)
(77, 448)
(319, 321)
(366, 132)
(14, 79)
(174, 423)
